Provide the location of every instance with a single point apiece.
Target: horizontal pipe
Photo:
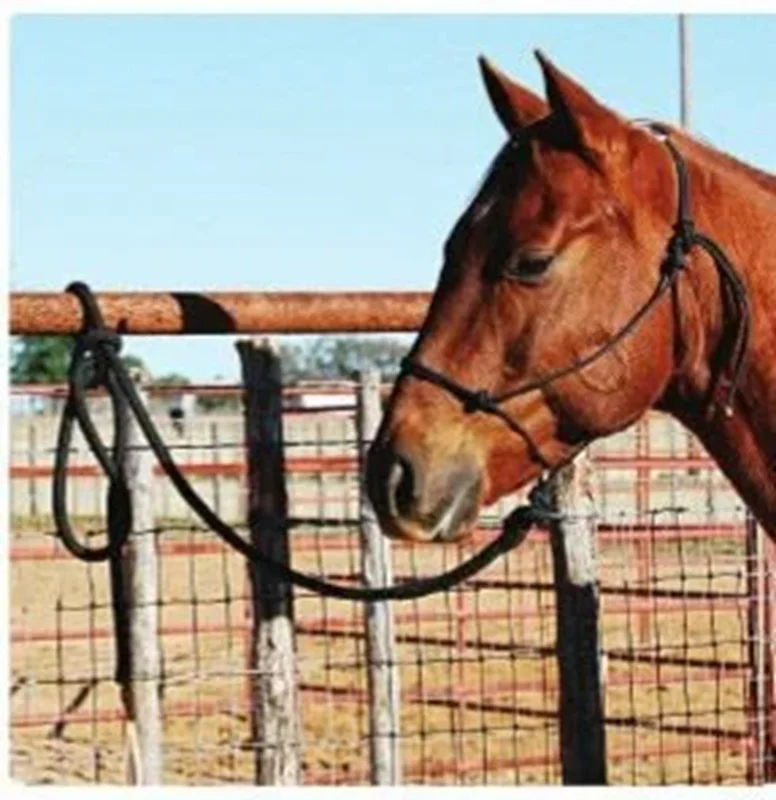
(430, 769)
(303, 465)
(435, 769)
(200, 709)
(299, 464)
(334, 542)
(235, 390)
(330, 625)
(456, 767)
(651, 462)
(158, 313)
(473, 697)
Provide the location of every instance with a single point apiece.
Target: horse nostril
(401, 487)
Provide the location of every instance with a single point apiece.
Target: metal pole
(761, 761)
(156, 313)
(756, 706)
(378, 617)
(769, 547)
(684, 71)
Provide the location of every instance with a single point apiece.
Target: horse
(605, 267)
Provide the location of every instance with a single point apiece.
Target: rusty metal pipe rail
(163, 313)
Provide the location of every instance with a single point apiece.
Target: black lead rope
(96, 363)
(90, 368)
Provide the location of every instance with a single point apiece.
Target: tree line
(45, 359)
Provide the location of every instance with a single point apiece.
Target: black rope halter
(683, 238)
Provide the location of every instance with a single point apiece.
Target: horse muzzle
(418, 502)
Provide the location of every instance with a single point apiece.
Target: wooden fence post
(141, 569)
(642, 546)
(217, 457)
(384, 751)
(274, 708)
(32, 460)
(582, 729)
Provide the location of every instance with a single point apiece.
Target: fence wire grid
(686, 590)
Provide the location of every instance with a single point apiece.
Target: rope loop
(679, 246)
(95, 352)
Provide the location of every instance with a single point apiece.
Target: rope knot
(98, 339)
(91, 354)
(478, 401)
(679, 247)
(685, 234)
(541, 503)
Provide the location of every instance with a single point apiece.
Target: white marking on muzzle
(444, 522)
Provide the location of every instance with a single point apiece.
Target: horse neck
(739, 213)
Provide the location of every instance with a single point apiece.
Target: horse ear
(582, 119)
(514, 105)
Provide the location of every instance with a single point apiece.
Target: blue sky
(309, 152)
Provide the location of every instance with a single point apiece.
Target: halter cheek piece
(682, 241)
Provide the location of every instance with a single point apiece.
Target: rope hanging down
(96, 363)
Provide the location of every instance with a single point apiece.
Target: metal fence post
(274, 708)
(141, 570)
(761, 701)
(384, 752)
(769, 557)
(582, 730)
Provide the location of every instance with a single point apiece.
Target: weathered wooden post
(32, 460)
(274, 708)
(643, 548)
(216, 457)
(572, 538)
(383, 675)
(140, 567)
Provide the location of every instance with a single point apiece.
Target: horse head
(559, 249)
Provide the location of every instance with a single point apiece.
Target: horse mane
(498, 179)
(763, 179)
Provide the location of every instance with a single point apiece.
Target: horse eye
(528, 267)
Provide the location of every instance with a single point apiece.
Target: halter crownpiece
(683, 239)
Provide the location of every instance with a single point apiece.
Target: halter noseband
(683, 239)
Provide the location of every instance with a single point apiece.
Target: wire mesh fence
(686, 625)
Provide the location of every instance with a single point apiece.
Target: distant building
(317, 395)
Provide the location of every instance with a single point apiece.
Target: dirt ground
(477, 671)
(477, 666)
